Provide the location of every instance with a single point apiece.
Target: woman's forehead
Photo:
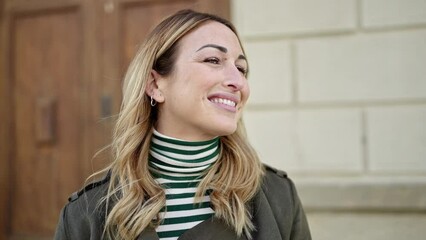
(211, 32)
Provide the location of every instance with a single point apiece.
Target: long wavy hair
(134, 198)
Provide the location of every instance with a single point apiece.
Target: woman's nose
(234, 79)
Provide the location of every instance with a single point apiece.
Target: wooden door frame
(220, 7)
(5, 126)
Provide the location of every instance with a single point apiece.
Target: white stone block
(367, 67)
(397, 139)
(330, 140)
(272, 134)
(384, 13)
(254, 17)
(270, 72)
(355, 226)
(372, 193)
(308, 140)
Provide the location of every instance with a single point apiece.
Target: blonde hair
(134, 199)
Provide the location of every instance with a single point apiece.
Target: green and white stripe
(179, 166)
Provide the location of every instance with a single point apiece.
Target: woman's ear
(152, 89)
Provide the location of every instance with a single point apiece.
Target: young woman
(183, 168)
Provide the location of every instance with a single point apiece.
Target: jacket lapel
(211, 229)
(263, 219)
(214, 228)
(148, 233)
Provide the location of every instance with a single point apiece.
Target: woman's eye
(212, 60)
(242, 70)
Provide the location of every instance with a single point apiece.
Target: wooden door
(46, 70)
(44, 85)
(61, 65)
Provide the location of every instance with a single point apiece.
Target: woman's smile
(225, 101)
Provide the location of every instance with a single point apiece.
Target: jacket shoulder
(278, 204)
(96, 185)
(272, 170)
(276, 182)
(82, 217)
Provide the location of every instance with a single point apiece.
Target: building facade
(338, 100)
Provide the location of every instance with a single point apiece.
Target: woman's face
(204, 95)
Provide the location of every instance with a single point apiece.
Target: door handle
(45, 119)
(106, 106)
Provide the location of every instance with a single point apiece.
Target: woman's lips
(225, 101)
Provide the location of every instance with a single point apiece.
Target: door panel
(46, 69)
(138, 20)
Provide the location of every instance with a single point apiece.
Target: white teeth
(224, 101)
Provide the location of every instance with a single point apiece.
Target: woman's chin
(225, 130)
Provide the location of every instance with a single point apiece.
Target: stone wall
(339, 102)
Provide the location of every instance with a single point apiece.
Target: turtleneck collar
(176, 158)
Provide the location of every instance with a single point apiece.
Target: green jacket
(276, 210)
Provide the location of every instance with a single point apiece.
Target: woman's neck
(173, 157)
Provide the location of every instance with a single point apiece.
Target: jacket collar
(210, 229)
(215, 228)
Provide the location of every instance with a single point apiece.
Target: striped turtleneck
(179, 166)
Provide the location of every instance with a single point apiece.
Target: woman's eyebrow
(242, 57)
(220, 48)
